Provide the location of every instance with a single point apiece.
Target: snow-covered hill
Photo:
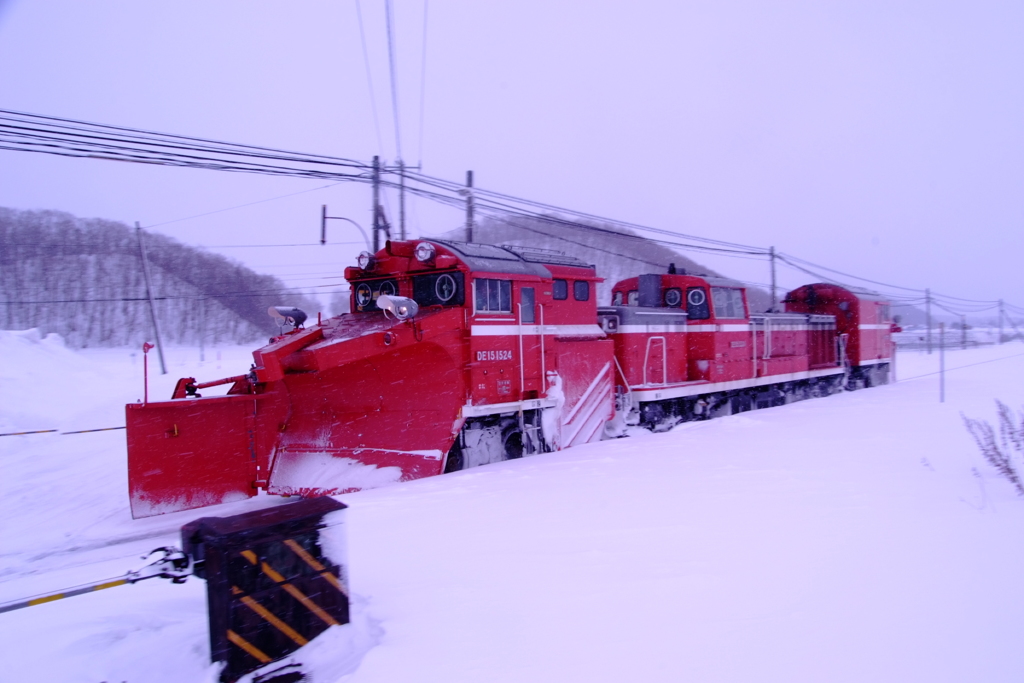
(83, 279)
(616, 252)
(859, 537)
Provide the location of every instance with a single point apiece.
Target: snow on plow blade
(307, 473)
(188, 454)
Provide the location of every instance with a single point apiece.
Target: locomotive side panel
(650, 344)
(862, 320)
(875, 331)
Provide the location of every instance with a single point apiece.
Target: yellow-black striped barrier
(87, 431)
(170, 564)
(38, 431)
(51, 431)
(66, 593)
(271, 587)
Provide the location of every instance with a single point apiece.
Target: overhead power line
(21, 131)
(787, 257)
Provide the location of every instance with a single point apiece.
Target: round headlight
(425, 251)
(364, 260)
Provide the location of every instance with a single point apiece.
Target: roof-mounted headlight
(425, 251)
(365, 260)
(401, 307)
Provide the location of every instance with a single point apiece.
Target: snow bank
(34, 368)
(859, 537)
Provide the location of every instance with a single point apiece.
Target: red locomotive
(457, 354)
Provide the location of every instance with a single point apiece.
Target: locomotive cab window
(581, 290)
(673, 297)
(633, 298)
(728, 302)
(697, 304)
(560, 290)
(493, 296)
(617, 299)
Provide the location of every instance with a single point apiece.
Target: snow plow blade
(323, 473)
(190, 454)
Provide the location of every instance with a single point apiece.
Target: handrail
(543, 357)
(522, 360)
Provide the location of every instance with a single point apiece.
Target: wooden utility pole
(1000, 321)
(376, 204)
(149, 296)
(771, 257)
(963, 331)
(401, 200)
(942, 362)
(928, 316)
(469, 206)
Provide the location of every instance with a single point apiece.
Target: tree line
(82, 278)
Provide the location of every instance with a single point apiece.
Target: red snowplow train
(455, 355)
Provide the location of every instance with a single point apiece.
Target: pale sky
(884, 139)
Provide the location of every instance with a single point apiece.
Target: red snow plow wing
(191, 453)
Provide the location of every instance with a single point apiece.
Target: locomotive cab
(661, 309)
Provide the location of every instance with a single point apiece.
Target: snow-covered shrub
(1005, 452)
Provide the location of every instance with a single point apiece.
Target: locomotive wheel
(742, 403)
(512, 440)
(454, 461)
(654, 417)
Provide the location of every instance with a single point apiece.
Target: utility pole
(469, 206)
(771, 257)
(942, 362)
(401, 200)
(202, 330)
(149, 296)
(376, 204)
(963, 331)
(1000, 321)
(928, 316)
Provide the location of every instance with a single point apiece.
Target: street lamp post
(323, 227)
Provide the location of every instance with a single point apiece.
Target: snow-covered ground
(859, 537)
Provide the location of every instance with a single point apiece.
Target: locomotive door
(655, 361)
(530, 331)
